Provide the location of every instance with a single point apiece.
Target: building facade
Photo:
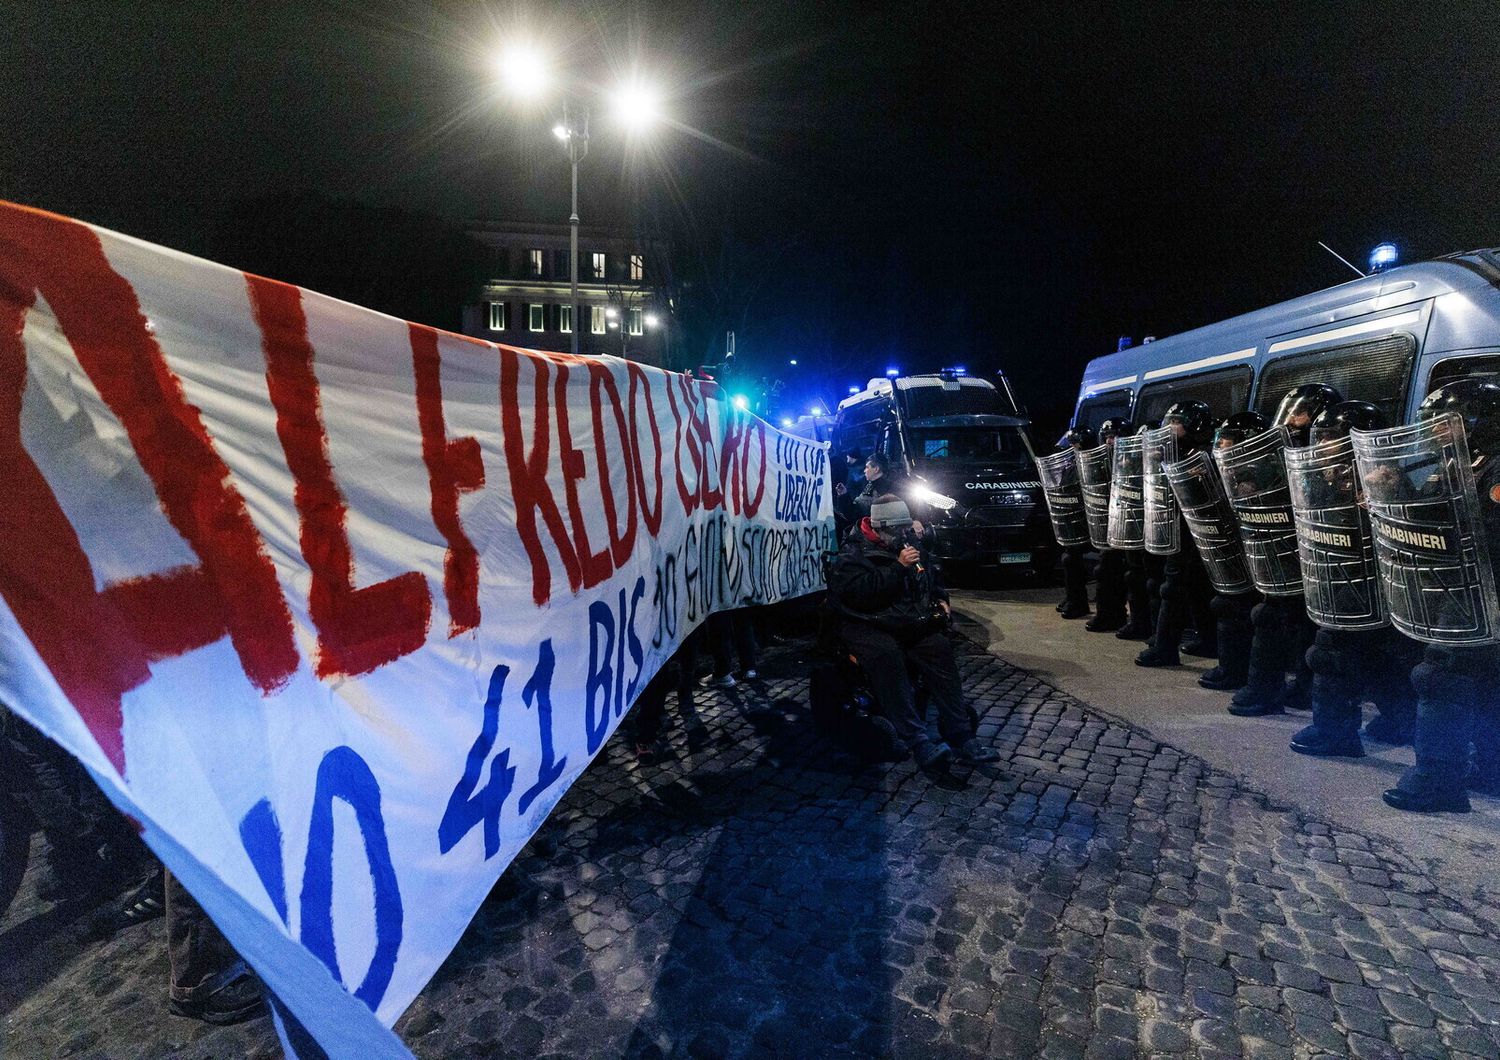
(625, 307)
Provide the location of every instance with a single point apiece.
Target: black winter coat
(867, 584)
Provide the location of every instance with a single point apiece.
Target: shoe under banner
(337, 606)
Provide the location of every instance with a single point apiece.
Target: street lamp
(527, 74)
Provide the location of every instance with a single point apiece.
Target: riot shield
(1061, 490)
(1430, 540)
(1093, 476)
(1161, 506)
(1255, 483)
(1199, 493)
(1337, 553)
(1127, 501)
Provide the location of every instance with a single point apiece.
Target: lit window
(565, 318)
(637, 266)
(634, 317)
(596, 319)
(534, 262)
(536, 317)
(497, 316)
(597, 260)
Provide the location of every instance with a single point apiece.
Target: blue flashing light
(854, 390)
(786, 421)
(792, 362)
(892, 372)
(957, 369)
(740, 401)
(1383, 257)
(816, 410)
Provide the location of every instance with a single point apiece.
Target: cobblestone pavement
(1097, 894)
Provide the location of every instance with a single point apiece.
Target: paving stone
(1099, 894)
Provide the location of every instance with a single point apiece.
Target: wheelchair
(842, 705)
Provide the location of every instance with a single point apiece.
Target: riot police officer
(1184, 584)
(1458, 687)
(1348, 664)
(1283, 632)
(1111, 593)
(1232, 613)
(1075, 601)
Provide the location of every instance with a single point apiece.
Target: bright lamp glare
(523, 68)
(611, 312)
(815, 410)
(892, 373)
(932, 497)
(652, 320)
(786, 421)
(741, 402)
(560, 131)
(792, 362)
(636, 106)
(854, 390)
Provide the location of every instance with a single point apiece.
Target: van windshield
(966, 445)
(925, 402)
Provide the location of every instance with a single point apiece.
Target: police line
(269, 555)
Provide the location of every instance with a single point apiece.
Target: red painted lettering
(454, 466)
(528, 475)
(359, 630)
(596, 565)
(621, 539)
(98, 645)
(650, 512)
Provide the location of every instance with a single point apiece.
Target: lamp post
(527, 73)
(575, 135)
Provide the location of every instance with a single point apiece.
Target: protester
(893, 616)
(880, 479)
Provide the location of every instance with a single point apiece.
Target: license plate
(1016, 557)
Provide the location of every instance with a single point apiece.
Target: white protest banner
(337, 606)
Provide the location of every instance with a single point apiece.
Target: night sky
(855, 185)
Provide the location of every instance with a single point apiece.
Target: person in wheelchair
(893, 615)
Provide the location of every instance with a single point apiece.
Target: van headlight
(934, 498)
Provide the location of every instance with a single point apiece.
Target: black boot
(1075, 609)
(1155, 656)
(1265, 679)
(1105, 622)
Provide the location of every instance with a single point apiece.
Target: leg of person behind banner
(209, 981)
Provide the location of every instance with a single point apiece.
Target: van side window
(1377, 370)
(1094, 410)
(1455, 368)
(1225, 392)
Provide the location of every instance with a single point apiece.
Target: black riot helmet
(1077, 438)
(1115, 427)
(1478, 402)
(1336, 421)
(1240, 426)
(1196, 420)
(1301, 406)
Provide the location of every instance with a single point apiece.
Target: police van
(1389, 338)
(959, 442)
